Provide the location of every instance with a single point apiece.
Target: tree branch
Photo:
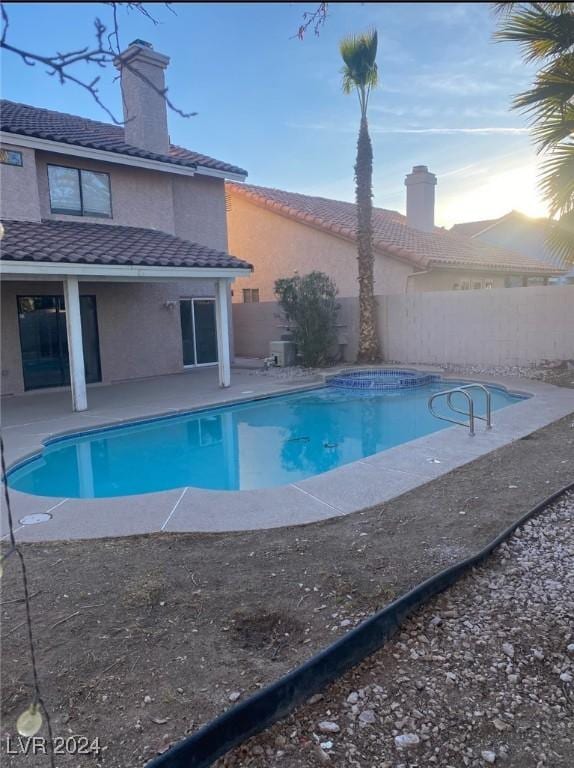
(103, 54)
(313, 19)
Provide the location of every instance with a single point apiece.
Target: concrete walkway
(31, 419)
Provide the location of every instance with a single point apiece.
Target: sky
(273, 104)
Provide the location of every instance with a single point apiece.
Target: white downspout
(415, 274)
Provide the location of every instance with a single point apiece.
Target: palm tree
(360, 74)
(545, 32)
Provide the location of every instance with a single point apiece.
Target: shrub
(309, 303)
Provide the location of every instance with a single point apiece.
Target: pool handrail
(448, 393)
(488, 398)
(469, 413)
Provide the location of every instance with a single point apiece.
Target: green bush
(310, 305)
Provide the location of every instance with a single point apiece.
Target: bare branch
(102, 55)
(5, 23)
(313, 19)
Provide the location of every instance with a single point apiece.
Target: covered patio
(86, 303)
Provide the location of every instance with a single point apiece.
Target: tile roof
(83, 243)
(391, 234)
(40, 123)
(471, 228)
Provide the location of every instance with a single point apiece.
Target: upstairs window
(251, 295)
(79, 193)
(10, 157)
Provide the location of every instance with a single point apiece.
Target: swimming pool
(256, 444)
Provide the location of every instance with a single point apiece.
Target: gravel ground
(482, 675)
(561, 373)
(554, 373)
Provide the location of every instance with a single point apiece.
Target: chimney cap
(142, 43)
(141, 51)
(420, 174)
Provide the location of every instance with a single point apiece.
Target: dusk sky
(273, 104)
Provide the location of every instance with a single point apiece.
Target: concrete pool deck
(31, 419)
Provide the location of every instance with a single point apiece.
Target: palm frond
(560, 238)
(557, 178)
(505, 9)
(359, 53)
(540, 32)
(553, 84)
(553, 129)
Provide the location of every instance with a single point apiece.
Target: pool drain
(38, 517)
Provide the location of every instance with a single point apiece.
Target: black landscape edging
(264, 708)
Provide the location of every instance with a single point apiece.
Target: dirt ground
(481, 674)
(142, 639)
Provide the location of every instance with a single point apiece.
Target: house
(114, 257)
(281, 233)
(515, 230)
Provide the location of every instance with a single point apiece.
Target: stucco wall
(518, 326)
(445, 279)
(139, 336)
(19, 188)
(256, 325)
(277, 246)
(199, 210)
(140, 198)
(191, 207)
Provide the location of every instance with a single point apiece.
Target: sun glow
(492, 197)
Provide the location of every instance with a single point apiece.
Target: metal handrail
(469, 413)
(448, 393)
(488, 398)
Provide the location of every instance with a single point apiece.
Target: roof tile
(83, 243)
(72, 129)
(391, 234)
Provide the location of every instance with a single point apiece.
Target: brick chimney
(420, 184)
(145, 113)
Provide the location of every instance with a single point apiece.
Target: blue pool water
(257, 444)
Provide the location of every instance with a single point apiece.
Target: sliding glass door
(44, 342)
(198, 331)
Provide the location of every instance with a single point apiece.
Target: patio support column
(75, 344)
(222, 314)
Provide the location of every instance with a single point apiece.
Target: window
(44, 341)
(489, 284)
(477, 285)
(79, 193)
(10, 157)
(251, 295)
(465, 285)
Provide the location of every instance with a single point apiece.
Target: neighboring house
(517, 231)
(281, 233)
(114, 258)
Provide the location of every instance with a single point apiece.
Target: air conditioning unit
(283, 352)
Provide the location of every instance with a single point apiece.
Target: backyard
(142, 639)
(298, 425)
